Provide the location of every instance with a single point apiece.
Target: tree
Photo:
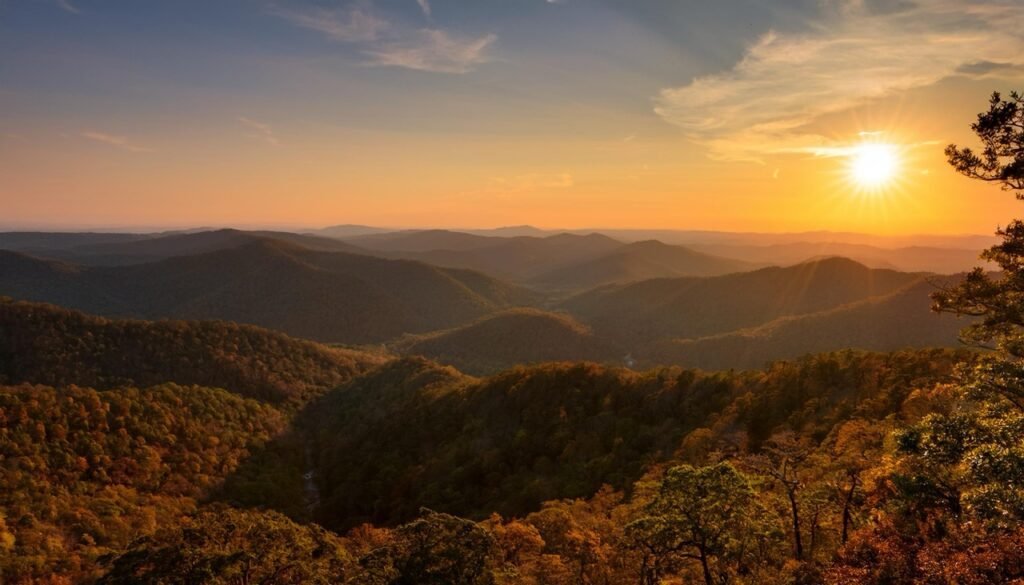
(995, 299)
(221, 545)
(783, 458)
(435, 549)
(708, 515)
(982, 443)
(853, 449)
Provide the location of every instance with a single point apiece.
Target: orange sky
(496, 132)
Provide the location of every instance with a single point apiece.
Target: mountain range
(485, 303)
(328, 296)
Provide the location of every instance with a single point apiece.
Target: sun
(874, 165)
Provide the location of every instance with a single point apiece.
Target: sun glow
(874, 166)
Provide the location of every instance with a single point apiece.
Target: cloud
(433, 50)
(391, 44)
(261, 130)
(865, 50)
(353, 24)
(114, 140)
(67, 6)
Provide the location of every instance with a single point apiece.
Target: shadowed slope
(327, 296)
(896, 321)
(517, 336)
(697, 307)
(640, 261)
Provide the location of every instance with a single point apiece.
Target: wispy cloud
(425, 7)
(433, 50)
(67, 6)
(866, 50)
(260, 130)
(114, 140)
(353, 24)
(387, 43)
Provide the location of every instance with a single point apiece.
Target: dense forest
(44, 344)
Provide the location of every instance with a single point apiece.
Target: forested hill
(45, 344)
(697, 307)
(327, 296)
(884, 323)
(510, 338)
(414, 434)
(179, 483)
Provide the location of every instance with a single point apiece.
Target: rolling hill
(122, 249)
(899, 320)
(327, 296)
(640, 312)
(569, 262)
(905, 258)
(45, 344)
(510, 338)
(412, 433)
(639, 261)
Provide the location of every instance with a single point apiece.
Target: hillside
(327, 296)
(896, 321)
(415, 434)
(640, 312)
(161, 462)
(509, 338)
(44, 344)
(639, 261)
(86, 473)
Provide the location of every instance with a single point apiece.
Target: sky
(738, 115)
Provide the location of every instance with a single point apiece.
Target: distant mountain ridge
(327, 296)
(561, 261)
(640, 261)
(122, 249)
(895, 321)
(603, 300)
(699, 307)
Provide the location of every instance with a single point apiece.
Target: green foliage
(709, 516)
(953, 508)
